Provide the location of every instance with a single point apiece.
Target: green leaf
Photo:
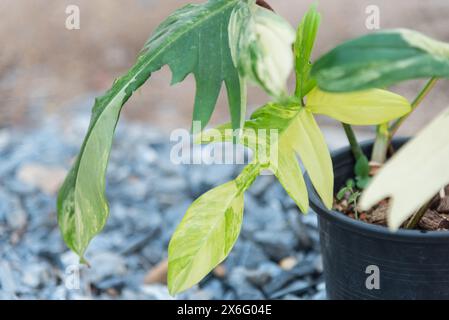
(363, 182)
(381, 59)
(368, 107)
(414, 175)
(194, 40)
(261, 46)
(278, 134)
(350, 184)
(305, 39)
(309, 143)
(207, 232)
(353, 197)
(341, 193)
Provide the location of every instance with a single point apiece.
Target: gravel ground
(148, 197)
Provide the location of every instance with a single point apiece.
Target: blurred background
(44, 66)
(49, 77)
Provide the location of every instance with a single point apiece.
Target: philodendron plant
(236, 42)
(420, 169)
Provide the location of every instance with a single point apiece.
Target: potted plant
(254, 47)
(368, 260)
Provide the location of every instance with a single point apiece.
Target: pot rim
(362, 227)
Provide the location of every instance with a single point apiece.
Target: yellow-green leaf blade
(289, 174)
(414, 175)
(205, 236)
(367, 107)
(309, 143)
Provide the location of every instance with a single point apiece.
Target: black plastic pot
(411, 264)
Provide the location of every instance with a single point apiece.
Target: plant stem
(414, 220)
(380, 148)
(355, 147)
(424, 92)
(385, 133)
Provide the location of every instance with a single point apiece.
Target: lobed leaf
(381, 59)
(367, 107)
(414, 175)
(194, 40)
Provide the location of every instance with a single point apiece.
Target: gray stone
(241, 286)
(16, 186)
(156, 292)
(173, 216)
(135, 190)
(153, 252)
(321, 295)
(301, 231)
(215, 175)
(296, 288)
(42, 210)
(35, 275)
(291, 297)
(245, 254)
(46, 178)
(275, 191)
(261, 184)
(195, 294)
(305, 268)
(58, 293)
(7, 279)
(5, 139)
(259, 277)
(310, 219)
(260, 218)
(104, 265)
(172, 184)
(5, 204)
(215, 288)
(138, 241)
(275, 246)
(16, 217)
(114, 282)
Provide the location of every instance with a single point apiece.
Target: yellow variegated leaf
(367, 107)
(309, 143)
(414, 175)
(205, 236)
(290, 176)
(297, 133)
